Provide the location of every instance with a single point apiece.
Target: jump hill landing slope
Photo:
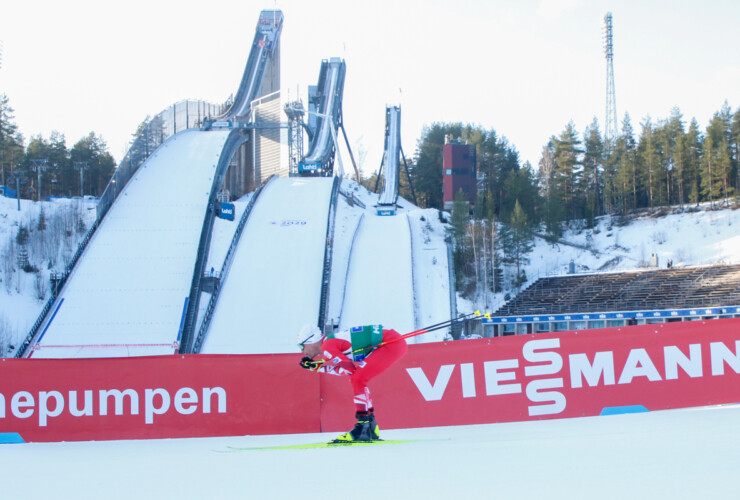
(126, 295)
(274, 284)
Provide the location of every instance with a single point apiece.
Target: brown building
(459, 171)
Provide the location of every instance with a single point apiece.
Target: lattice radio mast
(610, 127)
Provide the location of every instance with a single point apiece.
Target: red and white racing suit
(337, 354)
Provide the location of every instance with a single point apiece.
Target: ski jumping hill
(380, 275)
(273, 285)
(127, 295)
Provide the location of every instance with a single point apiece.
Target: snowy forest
(579, 177)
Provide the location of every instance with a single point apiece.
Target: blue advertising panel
(227, 211)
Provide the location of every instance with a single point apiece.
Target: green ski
(309, 446)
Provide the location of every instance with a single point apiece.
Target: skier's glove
(310, 364)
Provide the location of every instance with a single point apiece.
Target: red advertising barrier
(156, 397)
(555, 375)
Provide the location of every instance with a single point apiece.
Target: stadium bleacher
(553, 299)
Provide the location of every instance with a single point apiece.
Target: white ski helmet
(309, 334)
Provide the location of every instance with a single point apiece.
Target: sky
(524, 68)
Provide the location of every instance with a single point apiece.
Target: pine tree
(593, 158)
(671, 136)
(567, 156)
(517, 242)
(680, 162)
(735, 149)
(459, 221)
(520, 185)
(496, 160)
(11, 141)
(694, 152)
(627, 165)
(650, 169)
(41, 226)
(709, 189)
(719, 131)
(21, 237)
(58, 179)
(554, 209)
(427, 176)
(93, 151)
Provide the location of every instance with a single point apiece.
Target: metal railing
(180, 116)
(328, 252)
(211, 307)
(235, 139)
(413, 273)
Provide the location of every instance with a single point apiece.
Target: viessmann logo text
(544, 377)
(46, 405)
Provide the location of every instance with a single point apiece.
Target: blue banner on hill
(7, 192)
(226, 211)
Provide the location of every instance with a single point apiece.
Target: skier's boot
(374, 429)
(362, 430)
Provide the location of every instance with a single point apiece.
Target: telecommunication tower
(610, 127)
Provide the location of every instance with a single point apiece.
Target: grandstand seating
(707, 286)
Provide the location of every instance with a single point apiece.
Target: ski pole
(438, 326)
(431, 328)
(441, 324)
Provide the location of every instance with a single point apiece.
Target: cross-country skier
(362, 353)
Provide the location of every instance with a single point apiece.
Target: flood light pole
(81, 166)
(39, 166)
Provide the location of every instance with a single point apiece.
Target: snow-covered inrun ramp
(127, 294)
(274, 283)
(380, 275)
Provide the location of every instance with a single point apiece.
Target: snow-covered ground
(676, 454)
(689, 237)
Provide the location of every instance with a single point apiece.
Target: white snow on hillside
(687, 236)
(23, 295)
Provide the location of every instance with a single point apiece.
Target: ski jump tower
(390, 166)
(256, 107)
(610, 126)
